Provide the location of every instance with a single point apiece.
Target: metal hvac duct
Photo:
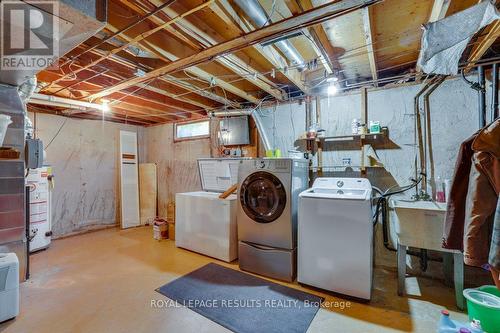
(258, 15)
(42, 99)
(256, 117)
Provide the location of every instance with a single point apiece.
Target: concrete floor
(105, 282)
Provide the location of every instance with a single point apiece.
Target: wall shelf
(348, 142)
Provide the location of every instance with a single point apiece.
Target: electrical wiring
(57, 133)
(194, 77)
(273, 8)
(117, 101)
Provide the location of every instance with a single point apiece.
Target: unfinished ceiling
(160, 61)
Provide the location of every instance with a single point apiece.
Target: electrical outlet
(346, 161)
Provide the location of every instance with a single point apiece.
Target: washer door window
(263, 197)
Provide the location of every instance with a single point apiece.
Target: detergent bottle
(447, 325)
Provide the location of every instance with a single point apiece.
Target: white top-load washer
(203, 222)
(335, 236)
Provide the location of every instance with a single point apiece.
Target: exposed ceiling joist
(484, 44)
(439, 10)
(230, 61)
(203, 75)
(184, 85)
(165, 49)
(306, 19)
(168, 57)
(367, 25)
(171, 30)
(225, 11)
(317, 35)
(139, 38)
(146, 88)
(173, 103)
(133, 105)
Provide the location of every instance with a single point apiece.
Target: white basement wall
(454, 117)
(84, 157)
(176, 163)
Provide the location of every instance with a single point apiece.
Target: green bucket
(483, 305)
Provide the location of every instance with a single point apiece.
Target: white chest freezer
(203, 222)
(335, 236)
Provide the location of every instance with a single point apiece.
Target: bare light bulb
(332, 89)
(105, 106)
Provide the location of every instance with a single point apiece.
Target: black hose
(474, 85)
(381, 208)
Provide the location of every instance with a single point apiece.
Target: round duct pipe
(256, 116)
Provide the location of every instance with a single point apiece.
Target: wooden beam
(367, 25)
(484, 44)
(165, 92)
(231, 62)
(194, 89)
(316, 35)
(170, 49)
(136, 108)
(439, 10)
(308, 18)
(171, 30)
(138, 38)
(225, 11)
(145, 95)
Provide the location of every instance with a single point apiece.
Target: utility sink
(420, 224)
(417, 223)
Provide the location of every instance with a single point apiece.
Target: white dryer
(335, 236)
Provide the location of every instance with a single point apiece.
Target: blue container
(447, 325)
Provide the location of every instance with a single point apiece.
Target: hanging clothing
(480, 208)
(474, 195)
(494, 259)
(455, 211)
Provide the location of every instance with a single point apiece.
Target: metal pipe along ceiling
(482, 97)
(57, 101)
(258, 15)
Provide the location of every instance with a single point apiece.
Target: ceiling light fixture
(105, 106)
(332, 79)
(332, 89)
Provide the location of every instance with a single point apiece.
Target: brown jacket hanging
(473, 196)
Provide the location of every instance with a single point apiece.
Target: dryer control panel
(277, 165)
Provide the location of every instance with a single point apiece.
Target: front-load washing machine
(335, 236)
(267, 215)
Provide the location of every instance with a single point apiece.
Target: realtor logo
(29, 33)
